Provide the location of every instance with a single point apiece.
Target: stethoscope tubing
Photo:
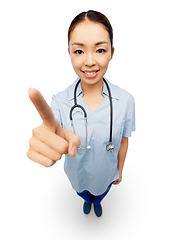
(111, 111)
(109, 147)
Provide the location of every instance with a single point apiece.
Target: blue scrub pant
(89, 198)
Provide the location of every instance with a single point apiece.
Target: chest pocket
(101, 134)
(117, 134)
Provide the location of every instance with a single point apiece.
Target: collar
(71, 90)
(79, 91)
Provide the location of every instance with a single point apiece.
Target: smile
(90, 74)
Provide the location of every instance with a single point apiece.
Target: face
(90, 51)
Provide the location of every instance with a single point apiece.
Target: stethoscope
(110, 146)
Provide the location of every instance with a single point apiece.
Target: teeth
(90, 73)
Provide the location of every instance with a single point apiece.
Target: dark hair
(94, 17)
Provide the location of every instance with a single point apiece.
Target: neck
(92, 89)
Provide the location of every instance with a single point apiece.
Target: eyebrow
(78, 44)
(98, 43)
(101, 42)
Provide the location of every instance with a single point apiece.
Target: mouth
(90, 73)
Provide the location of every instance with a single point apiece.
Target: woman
(93, 162)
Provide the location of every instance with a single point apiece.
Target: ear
(113, 50)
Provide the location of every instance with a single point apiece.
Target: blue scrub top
(94, 169)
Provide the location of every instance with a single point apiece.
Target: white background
(38, 202)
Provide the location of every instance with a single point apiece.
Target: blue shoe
(87, 208)
(98, 210)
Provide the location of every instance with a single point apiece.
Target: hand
(49, 141)
(118, 180)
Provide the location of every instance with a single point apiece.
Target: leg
(87, 196)
(98, 199)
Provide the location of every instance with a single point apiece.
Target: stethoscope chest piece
(110, 147)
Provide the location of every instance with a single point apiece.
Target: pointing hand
(49, 141)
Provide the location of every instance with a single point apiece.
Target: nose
(90, 61)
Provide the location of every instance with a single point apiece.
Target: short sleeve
(56, 110)
(129, 124)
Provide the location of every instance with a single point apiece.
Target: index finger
(42, 107)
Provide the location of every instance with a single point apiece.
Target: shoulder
(120, 93)
(67, 94)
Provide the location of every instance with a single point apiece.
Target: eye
(78, 52)
(101, 50)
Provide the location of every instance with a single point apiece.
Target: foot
(86, 208)
(98, 210)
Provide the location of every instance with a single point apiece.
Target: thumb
(73, 141)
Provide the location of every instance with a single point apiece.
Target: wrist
(119, 171)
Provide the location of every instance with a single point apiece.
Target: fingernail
(74, 149)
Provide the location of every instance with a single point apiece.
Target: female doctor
(94, 160)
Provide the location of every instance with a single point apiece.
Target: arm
(121, 158)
